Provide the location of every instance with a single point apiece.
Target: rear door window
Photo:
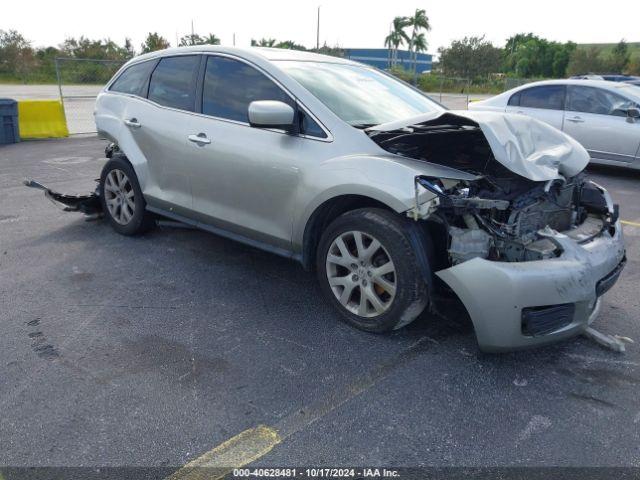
(598, 101)
(173, 82)
(549, 97)
(134, 80)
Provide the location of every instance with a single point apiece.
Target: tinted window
(230, 86)
(596, 100)
(514, 101)
(134, 79)
(310, 127)
(550, 97)
(173, 82)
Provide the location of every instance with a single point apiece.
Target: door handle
(201, 139)
(576, 119)
(133, 123)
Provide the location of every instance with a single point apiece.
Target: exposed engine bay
(499, 215)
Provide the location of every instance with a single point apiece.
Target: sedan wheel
(119, 196)
(361, 274)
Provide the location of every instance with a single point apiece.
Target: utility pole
(234, 39)
(318, 32)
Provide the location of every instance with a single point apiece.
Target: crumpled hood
(524, 145)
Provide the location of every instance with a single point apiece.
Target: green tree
(471, 57)
(620, 57)
(336, 51)
(95, 49)
(16, 55)
(211, 39)
(263, 42)
(419, 21)
(290, 45)
(191, 40)
(154, 42)
(396, 38)
(634, 65)
(587, 60)
(128, 46)
(419, 45)
(46, 62)
(528, 55)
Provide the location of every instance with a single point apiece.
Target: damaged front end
(484, 219)
(529, 244)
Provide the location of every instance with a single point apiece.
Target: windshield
(630, 90)
(359, 95)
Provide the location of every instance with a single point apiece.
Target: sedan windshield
(359, 95)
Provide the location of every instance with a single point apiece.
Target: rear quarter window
(134, 79)
(514, 101)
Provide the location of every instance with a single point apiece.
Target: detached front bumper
(559, 296)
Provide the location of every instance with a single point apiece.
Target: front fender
(388, 179)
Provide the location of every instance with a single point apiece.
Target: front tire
(122, 200)
(369, 271)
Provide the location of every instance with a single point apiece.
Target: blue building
(379, 57)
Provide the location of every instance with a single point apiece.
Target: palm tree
(263, 42)
(191, 40)
(211, 39)
(419, 21)
(419, 45)
(396, 38)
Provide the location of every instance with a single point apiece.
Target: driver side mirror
(271, 114)
(633, 114)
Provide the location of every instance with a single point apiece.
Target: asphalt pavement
(152, 351)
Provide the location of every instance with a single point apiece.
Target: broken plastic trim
(87, 204)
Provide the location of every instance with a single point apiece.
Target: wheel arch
(324, 214)
(332, 208)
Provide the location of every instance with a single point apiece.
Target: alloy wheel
(361, 274)
(119, 196)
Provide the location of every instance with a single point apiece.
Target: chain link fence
(452, 92)
(79, 82)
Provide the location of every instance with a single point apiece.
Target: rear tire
(369, 271)
(122, 200)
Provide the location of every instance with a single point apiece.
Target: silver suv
(393, 200)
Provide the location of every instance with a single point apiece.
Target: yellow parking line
(236, 452)
(633, 224)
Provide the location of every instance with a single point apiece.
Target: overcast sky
(347, 23)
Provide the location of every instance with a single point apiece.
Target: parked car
(392, 199)
(608, 77)
(587, 76)
(603, 116)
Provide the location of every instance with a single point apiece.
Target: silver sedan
(603, 116)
